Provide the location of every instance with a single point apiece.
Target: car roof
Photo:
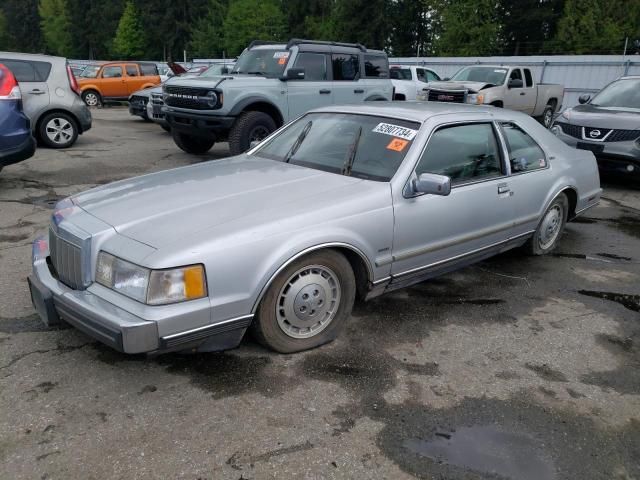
(414, 111)
(630, 77)
(31, 56)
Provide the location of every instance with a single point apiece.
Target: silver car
(344, 202)
(607, 125)
(50, 97)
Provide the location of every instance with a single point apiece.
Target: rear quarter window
(148, 70)
(376, 66)
(524, 153)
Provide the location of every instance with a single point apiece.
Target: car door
(531, 177)
(515, 97)
(32, 78)
(315, 89)
(133, 80)
(432, 232)
(531, 92)
(112, 83)
(346, 86)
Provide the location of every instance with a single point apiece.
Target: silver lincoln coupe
(344, 202)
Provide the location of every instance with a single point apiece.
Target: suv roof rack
(255, 43)
(298, 41)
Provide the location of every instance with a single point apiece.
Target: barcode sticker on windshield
(281, 55)
(395, 131)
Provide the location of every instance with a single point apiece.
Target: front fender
(243, 102)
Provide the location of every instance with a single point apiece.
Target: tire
(545, 239)
(166, 128)
(57, 130)
(546, 119)
(192, 144)
(91, 98)
(249, 127)
(290, 318)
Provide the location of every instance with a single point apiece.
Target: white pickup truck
(409, 80)
(510, 87)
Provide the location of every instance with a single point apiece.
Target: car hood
(455, 85)
(161, 208)
(588, 115)
(222, 81)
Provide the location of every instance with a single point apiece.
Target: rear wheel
(91, 98)
(57, 130)
(192, 144)
(249, 127)
(546, 119)
(545, 239)
(307, 304)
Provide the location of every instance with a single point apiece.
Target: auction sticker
(395, 131)
(280, 54)
(397, 144)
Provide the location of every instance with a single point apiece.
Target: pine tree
(249, 20)
(55, 24)
(362, 21)
(129, 42)
(23, 25)
(207, 37)
(4, 33)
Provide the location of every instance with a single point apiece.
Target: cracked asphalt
(517, 367)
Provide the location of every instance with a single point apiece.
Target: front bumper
(198, 124)
(612, 157)
(118, 328)
(138, 109)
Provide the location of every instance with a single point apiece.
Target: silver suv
(270, 85)
(50, 97)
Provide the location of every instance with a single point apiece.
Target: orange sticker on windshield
(397, 144)
(282, 60)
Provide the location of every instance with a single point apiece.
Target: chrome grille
(66, 259)
(455, 96)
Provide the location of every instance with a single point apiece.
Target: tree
(249, 20)
(362, 21)
(413, 25)
(310, 18)
(93, 26)
(55, 24)
(529, 24)
(469, 28)
(23, 25)
(129, 42)
(4, 33)
(207, 37)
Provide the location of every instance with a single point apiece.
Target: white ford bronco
(270, 85)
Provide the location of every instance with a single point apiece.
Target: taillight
(73, 83)
(9, 89)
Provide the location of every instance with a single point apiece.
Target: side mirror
(294, 74)
(515, 83)
(224, 71)
(431, 183)
(582, 99)
(446, 79)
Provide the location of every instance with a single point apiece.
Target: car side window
(314, 64)
(432, 77)
(524, 153)
(132, 70)
(112, 72)
(515, 75)
(528, 78)
(420, 73)
(148, 70)
(464, 153)
(23, 71)
(345, 66)
(376, 66)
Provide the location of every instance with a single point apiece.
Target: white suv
(409, 80)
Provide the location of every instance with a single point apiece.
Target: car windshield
(622, 93)
(269, 62)
(214, 70)
(400, 73)
(90, 71)
(362, 146)
(492, 75)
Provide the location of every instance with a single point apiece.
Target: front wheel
(550, 228)
(546, 119)
(307, 304)
(249, 127)
(192, 144)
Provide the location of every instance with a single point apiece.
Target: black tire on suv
(249, 127)
(192, 144)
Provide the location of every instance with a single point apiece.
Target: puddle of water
(487, 449)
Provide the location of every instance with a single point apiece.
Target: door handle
(324, 91)
(358, 90)
(36, 92)
(522, 93)
(503, 188)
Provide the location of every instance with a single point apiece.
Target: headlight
(153, 287)
(475, 98)
(556, 130)
(212, 99)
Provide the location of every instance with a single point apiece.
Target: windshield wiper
(296, 145)
(256, 73)
(351, 155)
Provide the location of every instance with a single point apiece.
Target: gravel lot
(518, 367)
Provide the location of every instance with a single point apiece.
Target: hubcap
(308, 301)
(548, 116)
(91, 99)
(258, 134)
(59, 130)
(550, 227)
